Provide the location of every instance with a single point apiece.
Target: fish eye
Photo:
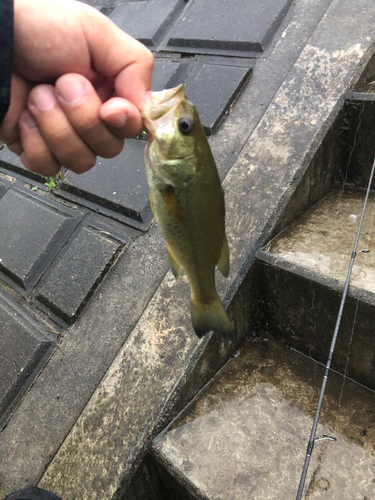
(185, 125)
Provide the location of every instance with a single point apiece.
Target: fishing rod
(312, 439)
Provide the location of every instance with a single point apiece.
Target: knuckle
(87, 124)
(57, 135)
(81, 165)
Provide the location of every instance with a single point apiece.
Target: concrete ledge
(50, 408)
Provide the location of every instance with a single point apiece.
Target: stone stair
(245, 434)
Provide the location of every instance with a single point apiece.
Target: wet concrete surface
(306, 76)
(245, 436)
(323, 238)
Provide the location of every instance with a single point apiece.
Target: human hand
(78, 82)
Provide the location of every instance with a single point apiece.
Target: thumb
(116, 54)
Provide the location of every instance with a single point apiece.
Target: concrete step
(301, 277)
(245, 435)
(300, 274)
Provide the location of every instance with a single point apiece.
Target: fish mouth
(157, 104)
(162, 97)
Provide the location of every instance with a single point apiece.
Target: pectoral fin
(172, 204)
(223, 264)
(175, 266)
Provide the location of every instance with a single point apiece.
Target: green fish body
(188, 202)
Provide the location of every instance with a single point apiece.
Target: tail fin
(208, 317)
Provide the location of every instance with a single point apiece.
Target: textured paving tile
(49, 410)
(116, 187)
(32, 231)
(77, 272)
(147, 20)
(212, 88)
(4, 186)
(22, 345)
(243, 27)
(164, 70)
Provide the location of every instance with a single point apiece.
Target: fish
(187, 200)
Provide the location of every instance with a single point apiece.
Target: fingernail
(71, 93)
(28, 119)
(43, 98)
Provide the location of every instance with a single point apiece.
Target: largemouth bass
(188, 202)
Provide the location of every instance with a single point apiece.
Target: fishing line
(365, 251)
(368, 92)
(353, 147)
(309, 317)
(311, 442)
(348, 354)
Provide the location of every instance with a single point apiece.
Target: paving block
(32, 229)
(106, 10)
(22, 345)
(164, 70)
(148, 20)
(49, 410)
(242, 28)
(116, 187)
(4, 186)
(70, 283)
(212, 88)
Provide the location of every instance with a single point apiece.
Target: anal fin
(223, 263)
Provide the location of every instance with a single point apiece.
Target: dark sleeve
(6, 54)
